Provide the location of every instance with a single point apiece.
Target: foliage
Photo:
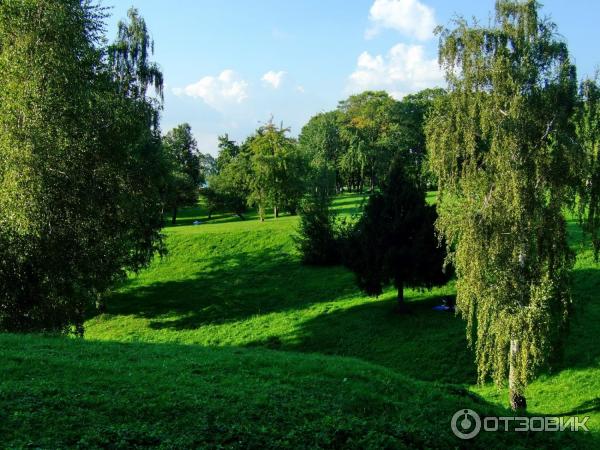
(587, 124)
(370, 128)
(185, 175)
(321, 143)
(501, 145)
(394, 240)
(278, 170)
(354, 145)
(413, 111)
(81, 173)
(129, 57)
(228, 150)
(317, 240)
(229, 189)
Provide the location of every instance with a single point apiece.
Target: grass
(232, 294)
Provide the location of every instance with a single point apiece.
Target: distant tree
(208, 167)
(229, 189)
(321, 143)
(588, 133)
(82, 174)
(394, 241)
(186, 177)
(277, 170)
(410, 137)
(228, 150)
(503, 148)
(369, 126)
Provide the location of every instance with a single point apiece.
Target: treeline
(348, 149)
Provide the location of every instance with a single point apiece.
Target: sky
(230, 65)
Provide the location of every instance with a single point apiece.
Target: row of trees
(349, 148)
(353, 146)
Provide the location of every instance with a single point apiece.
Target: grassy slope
(58, 393)
(232, 283)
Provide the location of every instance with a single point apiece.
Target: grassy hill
(61, 393)
(232, 302)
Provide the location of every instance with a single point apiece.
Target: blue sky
(231, 64)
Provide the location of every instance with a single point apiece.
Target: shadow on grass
(426, 345)
(229, 289)
(582, 348)
(585, 408)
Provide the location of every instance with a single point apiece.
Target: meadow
(229, 341)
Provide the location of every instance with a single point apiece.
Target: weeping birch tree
(502, 145)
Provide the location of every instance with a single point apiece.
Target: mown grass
(231, 283)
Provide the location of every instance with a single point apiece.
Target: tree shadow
(230, 288)
(425, 344)
(582, 349)
(584, 408)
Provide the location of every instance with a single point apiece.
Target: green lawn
(232, 301)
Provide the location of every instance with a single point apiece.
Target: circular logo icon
(466, 424)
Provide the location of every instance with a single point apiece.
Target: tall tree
(410, 138)
(80, 179)
(369, 126)
(588, 133)
(229, 189)
(277, 170)
(228, 149)
(320, 141)
(502, 148)
(182, 151)
(394, 241)
(130, 55)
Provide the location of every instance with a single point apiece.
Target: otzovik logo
(466, 424)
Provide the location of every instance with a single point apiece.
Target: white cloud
(218, 92)
(404, 70)
(300, 89)
(273, 78)
(410, 17)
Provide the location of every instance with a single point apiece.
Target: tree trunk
(174, 219)
(209, 214)
(275, 212)
(401, 306)
(518, 402)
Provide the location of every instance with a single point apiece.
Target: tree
(277, 170)
(410, 139)
(321, 143)
(502, 146)
(208, 167)
(369, 127)
(229, 189)
(394, 241)
(129, 57)
(228, 150)
(588, 133)
(186, 176)
(81, 173)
